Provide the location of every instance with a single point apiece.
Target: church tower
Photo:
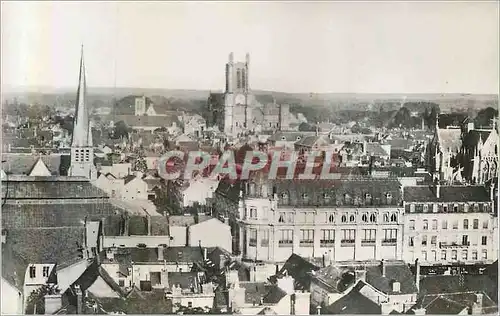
(229, 97)
(82, 150)
(236, 98)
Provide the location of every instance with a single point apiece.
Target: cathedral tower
(236, 99)
(82, 151)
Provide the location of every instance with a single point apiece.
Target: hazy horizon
(344, 48)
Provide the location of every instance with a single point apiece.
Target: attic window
(283, 138)
(352, 218)
(389, 198)
(368, 198)
(298, 138)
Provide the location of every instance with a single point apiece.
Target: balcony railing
(389, 242)
(326, 243)
(347, 242)
(368, 242)
(285, 243)
(453, 245)
(306, 243)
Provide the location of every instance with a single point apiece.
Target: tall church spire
(81, 134)
(82, 151)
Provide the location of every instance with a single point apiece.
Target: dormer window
(298, 137)
(32, 272)
(283, 138)
(284, 198)
(368, 198)
(305, 197)
(426, 208)
(326, 197)
(389, 198)
(347, 199)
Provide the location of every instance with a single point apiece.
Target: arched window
(285, 198)
(373, 218)
(352, 218)
(394, 217)
(331, 218)
(386, 217)
(305, 198)
(344, 218)
(368, 199)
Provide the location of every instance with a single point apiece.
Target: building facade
(450, 225)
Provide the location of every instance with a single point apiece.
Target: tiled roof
(183, 254)
(274, 295)
(299, 269)
(333, 276)
(184, 279)
(452, 304)
(353, 303)
(21, 164)
(56, 246)
(447, 194)
(444, 284)
(13, 267)
(53, 215)
(59, 189)
(255, 291)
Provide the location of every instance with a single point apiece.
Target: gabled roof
(39, 169)
(353, 303)
(454, 303)
(20, 164)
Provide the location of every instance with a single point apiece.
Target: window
(306, 237)
(465, 240)
(265, 238)
(368, 236)
(373, 218)
(286, 238)
(474, 255)
(390, 235)
(443, 254)
(281, 218)
(190, 304)
(305, 197)
(445, 208)
(434, 224)
(424, 240)
(309, 217)
(389, 198)
(410, 242)
(453, 255)
(455, 208)
(348, 236)
(485, 254)
(327, 238)
(485, 224)
(347, 199)
(433, 240)
(476, 207)
(426, 225)
(386, 217)
(426, 208)
(484, 239)
(464, 254)
(394, 218)
(364, 218)
(121, 283)
(284, 198)
(352, 218)
(252, 242)
(466, 224)
(344, 218)
(253, 213)
(412, 224)
(289, 217)
(424, 255)
(32, 272)
(331, 218)
(444, 225)
(475, 224)
(326, 198)
(455, 224)
(45, 271)
(433, 255)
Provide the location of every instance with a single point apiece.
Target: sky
(341, 47)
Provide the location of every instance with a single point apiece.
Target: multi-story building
(450, 225)
(347, 219)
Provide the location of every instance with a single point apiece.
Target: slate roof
(50, 189)
(300, 270)
(15, 216)
(333, 278)
(447, 194)
(20, 164)
(274, 295)
(398, 272)
(183, 254)
(138, 225)
(185, 280)
(255, 291)
(13, 267)
(289, 136)
(353, 303)
(186, 220)
(55, 246)
(153, 302)
(337, 190)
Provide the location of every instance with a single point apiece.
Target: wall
(179, 236)
(198, 300)
(12, 299)
(137, 189)
(211, 233)
(68, 275)
(133, 241)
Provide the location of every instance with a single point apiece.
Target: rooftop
(447, 194)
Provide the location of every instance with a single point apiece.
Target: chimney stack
(79, 299)
(148, 219)
(318, 310)
(323, 261)
(417, 274)
(205, 254)
(383, 267)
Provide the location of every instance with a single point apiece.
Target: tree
(140, 164)
(485, 116)
(35, 304)
(120, 130)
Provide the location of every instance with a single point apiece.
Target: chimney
(417, 274)
(277, 270)
(318, 310)
(79, 299)
(477, 306)
(205, 254)
(222, 261)
(396, 287)
(148, 220)
(383, 267)
(160, 253)
(323, 261)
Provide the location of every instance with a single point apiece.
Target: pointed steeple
(81, 127)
